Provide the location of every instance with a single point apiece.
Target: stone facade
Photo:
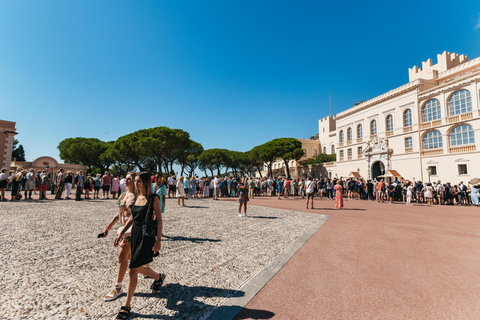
(7, 135)
(425, 129)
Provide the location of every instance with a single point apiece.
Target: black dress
(142, 248)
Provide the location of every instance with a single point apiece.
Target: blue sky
(232, 74)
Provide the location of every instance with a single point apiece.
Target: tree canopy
(18, 152)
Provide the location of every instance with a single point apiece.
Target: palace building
(7, 135)
(425, 129)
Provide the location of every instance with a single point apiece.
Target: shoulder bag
(149, 226)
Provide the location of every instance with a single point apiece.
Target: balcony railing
(389, 133)
(466, 116)
(432, 152)
(349, 157)
(407, 129)
(408, 149)
(373, 136)
(341, 144)
(466, 148)
(359, 140)
(341, 158)
(430, 124)
(361, 156)
(453, 119)
(349, 142)
(330, 164)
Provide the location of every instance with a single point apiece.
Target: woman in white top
(3, 183)
(181, 191)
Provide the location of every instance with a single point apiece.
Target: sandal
(124, 313)
(158, 283)
(118, 291)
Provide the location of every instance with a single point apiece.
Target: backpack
(75, 180)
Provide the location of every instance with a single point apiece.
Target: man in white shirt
(309, 188)
(216, 187)
(170, 185)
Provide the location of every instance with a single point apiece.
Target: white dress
(180, 189)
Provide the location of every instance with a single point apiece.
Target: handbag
(149, 226)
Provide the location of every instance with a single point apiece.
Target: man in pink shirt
(106, 181)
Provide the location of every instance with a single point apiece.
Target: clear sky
(232, 74)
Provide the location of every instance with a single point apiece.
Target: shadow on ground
(185, 304)
(194, 240)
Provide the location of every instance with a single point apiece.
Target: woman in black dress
(142, 249)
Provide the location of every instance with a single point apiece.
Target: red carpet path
(377, 261)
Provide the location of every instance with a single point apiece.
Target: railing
(373, 136)
(330, 164)
(408, 150)
(432, 152)
(341, 144)
(466, 116)
(453, 119)
(341, 158)
(430, 124)
(467, 148)
(361, 156)
(349, 142)
(389, 133)
(349, 157)
(407, 129)
(359, 140)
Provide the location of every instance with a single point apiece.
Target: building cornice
(392, 93)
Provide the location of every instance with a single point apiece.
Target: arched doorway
(378, 169)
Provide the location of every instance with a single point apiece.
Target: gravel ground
(53, 266)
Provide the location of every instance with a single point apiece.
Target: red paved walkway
(378, 261)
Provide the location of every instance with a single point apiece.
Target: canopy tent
(354, 174)
(391, 174)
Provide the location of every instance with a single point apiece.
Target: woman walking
(242, 197)
(124, 212)
(142, 248)
(338, 195)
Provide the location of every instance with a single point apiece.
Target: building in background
(7, 135)
(426, 129)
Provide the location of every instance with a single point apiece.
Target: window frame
(438, 136)
(373, 122)
(458, 103)
(405, 118)
(470, 135)
(389, 123)
(359, 131)
(437, 108)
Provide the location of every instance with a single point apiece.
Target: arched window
(332, 149)
(431, 110)
(341, 135)
(305, 152)
(407, 118)
(349, 134)
(373, 127)
(461, 135)
(389, 122)
(359, 131)
(314, 152)
(460, 102)
(432, 139)
(325, 150)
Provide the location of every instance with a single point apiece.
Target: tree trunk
(259, 172)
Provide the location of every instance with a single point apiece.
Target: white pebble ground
(53, 266)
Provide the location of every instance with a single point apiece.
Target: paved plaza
(54, 267)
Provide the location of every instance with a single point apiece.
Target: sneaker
(245, 215)
(240, 215)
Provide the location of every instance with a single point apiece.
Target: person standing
(251, 188)
(409, 193)
(181, 191)
(79, 183)
(338, 195)
(3, 183)
(44, 183)
(68, 184)
(242, 197)
(310, 191)
(106, 182)
(216, 187)
(170, 185)
(142, 248)
(280, 186)
(186, 186)
(474, 195)
(29, 184)
(60, 185)
(115, 186)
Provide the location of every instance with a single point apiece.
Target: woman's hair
(99, 175)
(147, 182)
(132, 175)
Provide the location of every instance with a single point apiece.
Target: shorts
(106, 188)
(96, 188)
(3, 184)
(310, 195)
(43, 187)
